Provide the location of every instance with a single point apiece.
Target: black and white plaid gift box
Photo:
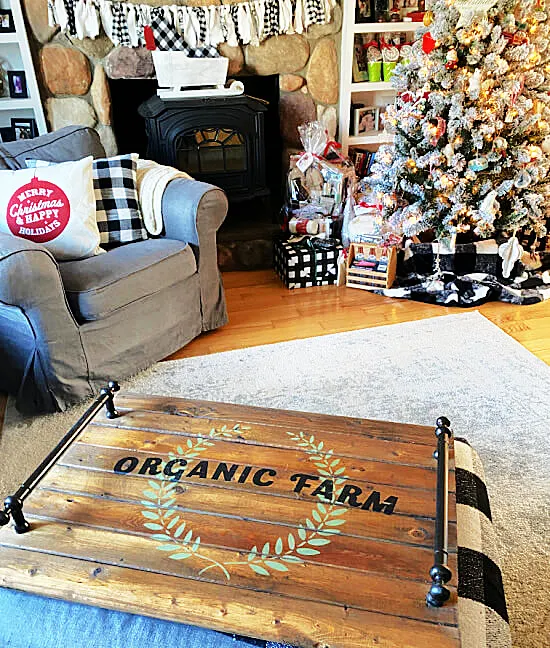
(301, 265)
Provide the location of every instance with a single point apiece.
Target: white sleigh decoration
(180, 76)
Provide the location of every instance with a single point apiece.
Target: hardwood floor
(263, 311)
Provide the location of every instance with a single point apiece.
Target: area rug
(462, 366)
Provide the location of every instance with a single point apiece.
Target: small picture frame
(366, 120)
(6, 134)
(6, 22)
(364, 11)
(17, 83)
(24, 128)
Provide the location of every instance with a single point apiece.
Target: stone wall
(74, 73)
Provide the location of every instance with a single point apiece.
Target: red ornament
(149, 38)
(428, 43)
(38, 211)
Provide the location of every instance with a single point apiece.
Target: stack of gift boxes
(320, 186)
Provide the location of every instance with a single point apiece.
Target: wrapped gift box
(301, 265)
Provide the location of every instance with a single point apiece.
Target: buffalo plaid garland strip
(167, 37)
(271, 18)
(201, 17)
(314, 12)
(120, 26)
(71, 21)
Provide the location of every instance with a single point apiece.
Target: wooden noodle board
(243, 552)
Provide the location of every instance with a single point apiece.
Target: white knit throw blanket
(152, 180)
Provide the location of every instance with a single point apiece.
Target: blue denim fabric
(30, 621)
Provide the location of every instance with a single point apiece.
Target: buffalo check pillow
(118, 215)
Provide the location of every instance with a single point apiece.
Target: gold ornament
(428, 18)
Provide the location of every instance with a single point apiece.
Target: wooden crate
(368, 279)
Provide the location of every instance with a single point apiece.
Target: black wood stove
(219, 140)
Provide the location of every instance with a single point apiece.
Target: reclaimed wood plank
(356, 469)
(230, 502)
(285, 418)
(411, 501)
(234, 526)
(307, 582)
(223, 608)
(274, 436)
(407, 562)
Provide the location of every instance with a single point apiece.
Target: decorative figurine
(452, 60)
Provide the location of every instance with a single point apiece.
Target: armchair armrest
(193, 211)
(30, 277)
(39, 337)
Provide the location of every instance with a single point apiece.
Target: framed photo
(364, 11)
(6, 21)
(6, 134)
(24, 128)
(359, 67)
(17, 83)
(366, 120)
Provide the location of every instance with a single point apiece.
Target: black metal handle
(13, 505)
(440, 573)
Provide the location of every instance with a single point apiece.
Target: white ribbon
(61, 14)
(105, 10)
(299, 17)
(133, 30)
(243, 21)
(215, 26)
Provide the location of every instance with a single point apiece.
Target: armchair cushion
(98, 286)
(64, 145)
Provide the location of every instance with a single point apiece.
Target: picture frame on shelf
(359, 69)
(24, 128)
(365, 120)
(7, 25)
(17, 83)
(6, 134)
(364, 11)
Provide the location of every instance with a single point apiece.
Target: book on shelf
(362, 161)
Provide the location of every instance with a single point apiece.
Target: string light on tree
(472, 122)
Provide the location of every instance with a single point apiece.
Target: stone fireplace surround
(73, 73)
(74, 80)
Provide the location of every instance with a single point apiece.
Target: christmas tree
(470, 119)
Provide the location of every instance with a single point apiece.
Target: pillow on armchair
(118, 214)
(53, 206)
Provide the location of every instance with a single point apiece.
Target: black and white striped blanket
(472, 275)
(482, 613)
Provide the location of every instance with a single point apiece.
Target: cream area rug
(493, 390)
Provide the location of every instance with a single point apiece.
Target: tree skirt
(471, 275)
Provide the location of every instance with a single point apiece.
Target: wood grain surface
(262, 311)
(208, 514)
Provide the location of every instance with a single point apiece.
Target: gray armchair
(67, 327)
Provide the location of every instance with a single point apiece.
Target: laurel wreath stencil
(310, 536)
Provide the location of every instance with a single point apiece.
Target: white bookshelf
(367, 92)
(15, 54)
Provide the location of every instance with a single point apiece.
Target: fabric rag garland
(186, 28)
